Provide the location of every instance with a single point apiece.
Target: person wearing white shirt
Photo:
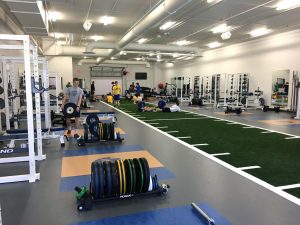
(173, 108)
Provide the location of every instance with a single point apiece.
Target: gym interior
(149, 112)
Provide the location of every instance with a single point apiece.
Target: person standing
(93, 97)
(131, 87)
(93, 88)
(74, 95)
(117, 93)
(137, 88)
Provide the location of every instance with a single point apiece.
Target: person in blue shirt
(161, 103)
(141, 105)
(137, 88)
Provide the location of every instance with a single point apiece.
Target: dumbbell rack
(87, 203)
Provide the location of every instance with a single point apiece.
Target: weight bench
(21, 134)
(24, 131)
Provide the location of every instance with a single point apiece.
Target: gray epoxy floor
(253, 118)
(198, 179)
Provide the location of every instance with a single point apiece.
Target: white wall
(63, 66)
(130, 77)
(259, 58)
(83, 72)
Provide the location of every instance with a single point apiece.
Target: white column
(5, 86)
(46, 94)
(30, 127)
(14, 87)
(58, 87)
(37, 104)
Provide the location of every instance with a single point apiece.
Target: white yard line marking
(184, 137)
(249, 167)
(200, 144)
(213, 117)
(221, 162)
(162, 127)
(292, 137)
(248, 127)
(172, 131)
(267, 132)
(153, 123)
(140, 117)
(291, 186)
(174, 119)
(217, 154)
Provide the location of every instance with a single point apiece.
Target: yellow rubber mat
(81, 165)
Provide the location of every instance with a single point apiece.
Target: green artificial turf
(277, 156)
(294, 191)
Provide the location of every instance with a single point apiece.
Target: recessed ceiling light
(287, 4)
(151, 54)
(97, 37)
(138, 59)
(221, 28)
(226, 35)
(175, 55)
(123, 53)
(112, 58)
(142, 40)
(84, 57)
(259, 32)
(106, 20)
(183, 42)
(167, 25)
(214, 44)
(53, 16)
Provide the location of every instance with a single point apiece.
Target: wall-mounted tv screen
(141, 76)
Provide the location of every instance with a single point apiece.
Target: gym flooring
(215, 183)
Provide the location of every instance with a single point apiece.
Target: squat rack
(27, 46)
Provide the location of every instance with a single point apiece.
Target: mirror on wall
(280, 87)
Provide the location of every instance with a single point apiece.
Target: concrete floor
(198, 179)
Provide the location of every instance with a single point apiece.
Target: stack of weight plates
(121, 177)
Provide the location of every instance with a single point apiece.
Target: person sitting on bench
(73, 94)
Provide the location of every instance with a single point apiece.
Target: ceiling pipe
(66, 50)
(166, 48)
(89, 49)
(120, 62)
(158, 12)
(161, 10)
(144, 47)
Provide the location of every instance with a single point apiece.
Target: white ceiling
(194, 21)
